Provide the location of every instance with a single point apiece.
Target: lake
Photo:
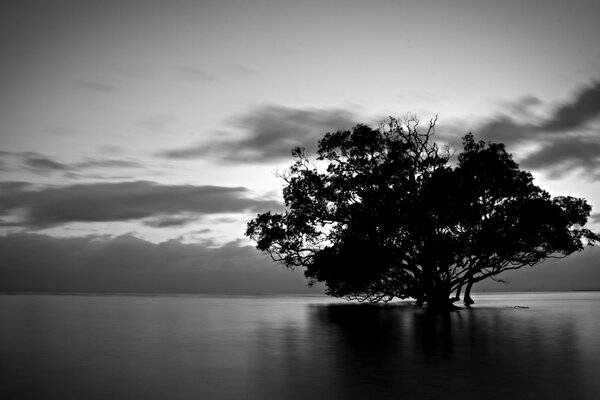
(516, 346)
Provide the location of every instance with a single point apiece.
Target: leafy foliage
(384, 213)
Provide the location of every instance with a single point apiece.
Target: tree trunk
(439, 301)
(468, 300)
(457, 294)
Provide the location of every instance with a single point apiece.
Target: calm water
(192, 347)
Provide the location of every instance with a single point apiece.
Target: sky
(137, 138)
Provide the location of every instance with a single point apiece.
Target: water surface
(517, 346)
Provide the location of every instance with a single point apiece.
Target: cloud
(508, 131)
(269, 133)
(563, 155)
(13, 185)
(44, 165)
(127, 264)
(106, 163)
(528, 102)
(563, 136)
(99, 202)
(33, 262)
(566, 137)
(165, 221)
(584, 108)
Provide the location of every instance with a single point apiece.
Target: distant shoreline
(192, 294)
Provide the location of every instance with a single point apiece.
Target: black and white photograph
(299, 199)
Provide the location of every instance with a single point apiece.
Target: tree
(387, 213)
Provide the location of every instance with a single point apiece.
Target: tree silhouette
(387, 213)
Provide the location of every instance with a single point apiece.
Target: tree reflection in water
(397, 351)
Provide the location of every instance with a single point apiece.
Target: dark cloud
(106, 163)
(270, 132)
(97, 202)
(523, 107)
(97, 177)
(506, 130)
(190, 152)
(32, 161)
(564, 155)
(165, 221)
(528, 102)
(128, 264)
(584, 108)
(202, 231)
(565, 144)
(44, 165)
(13, 185)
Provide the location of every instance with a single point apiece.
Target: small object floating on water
(520, 307)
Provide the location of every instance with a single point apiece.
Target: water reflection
(98, 347)
(356, 351)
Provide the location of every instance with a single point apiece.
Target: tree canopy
(383, 213)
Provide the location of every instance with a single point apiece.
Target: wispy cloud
(42, 164)
(269, 133)
(106, 163)
(98, 202)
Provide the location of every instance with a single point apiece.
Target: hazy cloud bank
(96, 202)
(579, 271)
(127, 264)
(33, 262)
